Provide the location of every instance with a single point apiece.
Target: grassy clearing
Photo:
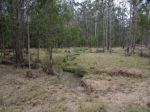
(114, 60)
(87, 59)
(48, 94)
(83, 59)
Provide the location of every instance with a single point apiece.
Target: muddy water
(68, 79)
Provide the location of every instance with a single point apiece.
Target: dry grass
(101, 61)
(110, 93)
(42, 94)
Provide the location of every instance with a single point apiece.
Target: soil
(119, 90)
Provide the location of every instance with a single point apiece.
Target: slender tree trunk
(106, 38)
(95, 27)
(110, 25)
(38, 58)
(106, 19)
(141, 50)
(29, 59)
(4, 53)
(50, 61)
(149, 32)
(50, 40)
(110, 34)
(2, 46)
(103, 24)
(18, 31)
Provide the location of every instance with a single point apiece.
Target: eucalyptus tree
(108, 11)
(122, 17)
(19, 24)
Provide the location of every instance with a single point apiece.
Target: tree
(19, 22)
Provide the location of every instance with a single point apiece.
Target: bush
(71, 57)
(76, 70)
(79, 50)
(80, 72)
(71, 69)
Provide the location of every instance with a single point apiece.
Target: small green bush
(80, 72)
(70, 69)
(79, 50)
(76, 70)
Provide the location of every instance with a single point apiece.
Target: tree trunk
(50, 39)
(95, 26)
(110, 35)
(38, 56)
(50, 62)
(29, 59)
(103, 24)
(18, 31)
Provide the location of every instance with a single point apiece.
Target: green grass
(81, 57)
(107, 60)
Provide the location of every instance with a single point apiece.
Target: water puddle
(68, 79)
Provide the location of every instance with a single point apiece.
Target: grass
(92, 107)
(114, 60)
(134, 108)
(85, 58)
(48, 94)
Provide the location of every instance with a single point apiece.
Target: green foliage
(6, 29)
(143, 20)
(68, 64)
(70, 68)
(80, 72)
(78, 51)
(76, 70)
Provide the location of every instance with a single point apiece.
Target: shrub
(70, 69)
(80, 72)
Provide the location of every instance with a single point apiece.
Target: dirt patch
(118, 90)
(122, 72)
(34, 73)
(93, 85)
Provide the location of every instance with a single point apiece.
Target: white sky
(81, 0)
(116, 1)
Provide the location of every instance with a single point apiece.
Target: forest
(74, 55)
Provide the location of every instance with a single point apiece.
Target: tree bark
(50, 40)
(29, 59)
(18, 31)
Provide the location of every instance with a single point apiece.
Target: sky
(116, 1)
(81, 0)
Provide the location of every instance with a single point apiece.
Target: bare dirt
(119, 90)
